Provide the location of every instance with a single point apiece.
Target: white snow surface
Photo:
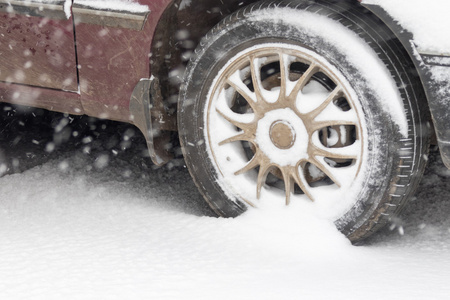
(67, 5)
(185, 4)
(68, 8)
(427, 20)
(76, 228)
(122, 5)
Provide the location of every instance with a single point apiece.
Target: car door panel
(113, 55)
(37, 45)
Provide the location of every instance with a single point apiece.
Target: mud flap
(148, 114)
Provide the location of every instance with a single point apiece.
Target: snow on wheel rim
(282, 125)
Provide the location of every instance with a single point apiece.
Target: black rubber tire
(398, 162)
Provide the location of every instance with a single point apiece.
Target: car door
(37, 44)
(113, 46)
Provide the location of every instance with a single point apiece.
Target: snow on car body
(282, 102)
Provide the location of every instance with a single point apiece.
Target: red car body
(97, 78)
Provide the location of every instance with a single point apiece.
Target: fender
(154, 101)
(437, 93)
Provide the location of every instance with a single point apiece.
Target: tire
(305, 101)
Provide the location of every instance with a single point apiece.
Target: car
(325, 105)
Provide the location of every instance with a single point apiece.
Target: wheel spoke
(318, 125)
(347, 152)
(252, 164)
(256, 78)
(284, 75)
(300, 179)
(335, 116)
(336, 93)
(240, 137)
(236, 123)
(244, 91)
(262, 175)
(288, 184)
(300, 84)
(325, 168)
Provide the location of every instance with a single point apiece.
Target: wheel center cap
(282, 134)
(282, 137)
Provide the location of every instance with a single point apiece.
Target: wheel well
(180, 29)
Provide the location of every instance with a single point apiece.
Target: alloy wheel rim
(290, 139)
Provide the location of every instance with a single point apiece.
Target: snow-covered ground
(89, 220)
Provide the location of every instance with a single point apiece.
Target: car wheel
(304, 102)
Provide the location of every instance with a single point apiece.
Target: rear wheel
(304, 103)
